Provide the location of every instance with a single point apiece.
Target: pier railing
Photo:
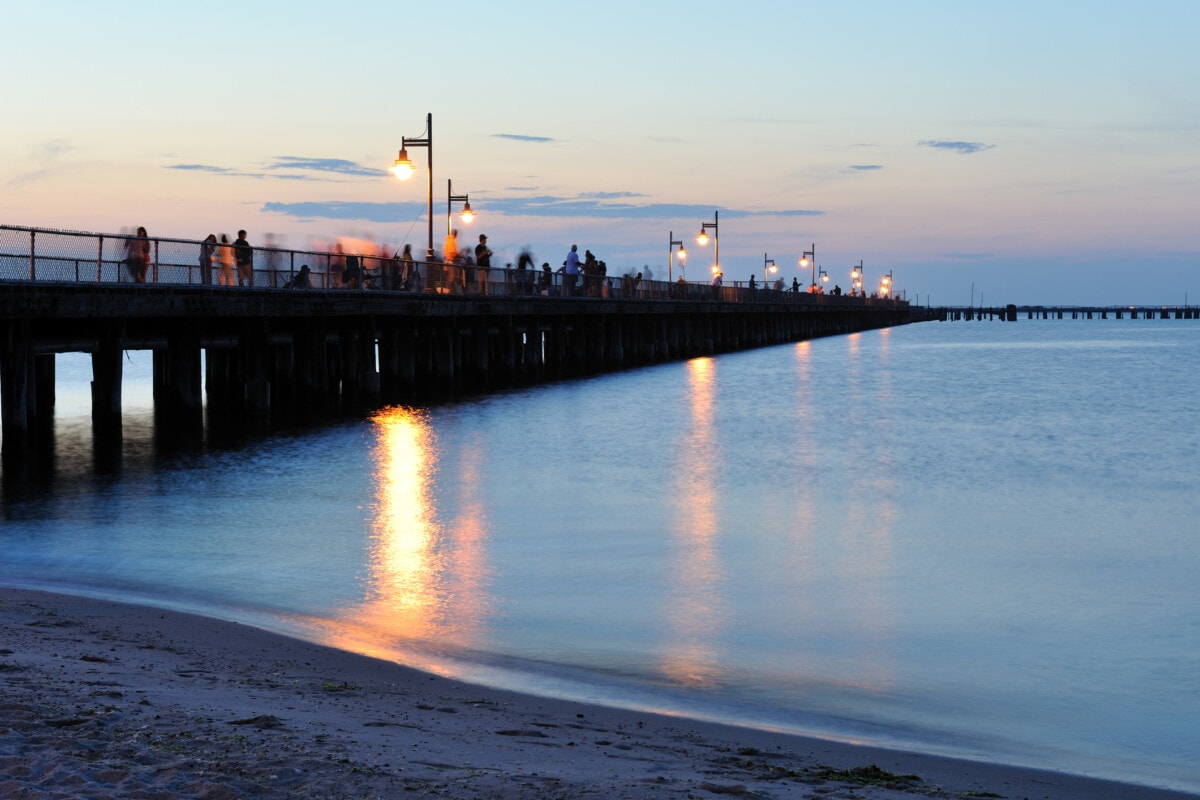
(47, 255)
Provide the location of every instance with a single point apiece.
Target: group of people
(465, 271)
(593, 271)
(229, 258)
(460, 272)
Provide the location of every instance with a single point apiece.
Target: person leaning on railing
(208, 249)
(244, 256)
(137, 256)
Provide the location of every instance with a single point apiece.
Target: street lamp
(768, 265)
(809, 259)
(885, 285)
(672, 243)
(403, 169)
(467, 214)
(823, 275)
(856, 277)
(702, 239)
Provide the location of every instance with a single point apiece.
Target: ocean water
(970, 538)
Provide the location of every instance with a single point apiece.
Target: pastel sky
(1026, 152)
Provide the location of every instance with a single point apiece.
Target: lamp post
(809, 259)
(403, 169)
(856, 277)
(467, 214)
(672, 243)
(768, 265)
(885, 285)
(702, 239)
(823, 275)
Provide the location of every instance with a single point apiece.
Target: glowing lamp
(403, 168)
(467, 214)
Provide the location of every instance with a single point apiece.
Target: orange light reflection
(697, 611)
(425, 581)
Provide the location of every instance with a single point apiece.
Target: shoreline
(106, 698)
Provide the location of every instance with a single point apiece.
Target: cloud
(201, 168)
(46, 154)
(215, 170)
(964, 148)
(865, 167)
(25, 178)
(600, 205)
(369, 212)
(545, 206)
(517, 137)
(51, 149)
(338, 166)
(609, 195)
(292, 168)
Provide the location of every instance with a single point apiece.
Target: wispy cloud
(51, 149)
(292, 168)
(865, 167)
(212, 169)
(518, 137)
(964, 148)
(338, 166)
(45, 154)
(368, 212)
(545, 206)
(609, 195)
(201, 168)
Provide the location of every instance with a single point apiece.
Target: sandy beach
(103, 700)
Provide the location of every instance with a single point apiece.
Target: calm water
(974, 538)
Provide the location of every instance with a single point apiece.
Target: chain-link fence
(45, 255)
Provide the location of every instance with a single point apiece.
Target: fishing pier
(257, 358)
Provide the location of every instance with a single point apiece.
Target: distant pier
(1012, 313)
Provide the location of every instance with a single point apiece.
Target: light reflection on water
(426, 579)
(973, 538)
(694, 611)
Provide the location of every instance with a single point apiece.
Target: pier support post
(284, 411)
(178, 390)
(314, 395)
(17, 387)
(254, 349)
(389, 364)
(107, 372)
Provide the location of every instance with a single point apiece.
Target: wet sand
(100, 699)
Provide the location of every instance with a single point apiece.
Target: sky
(980, 152)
